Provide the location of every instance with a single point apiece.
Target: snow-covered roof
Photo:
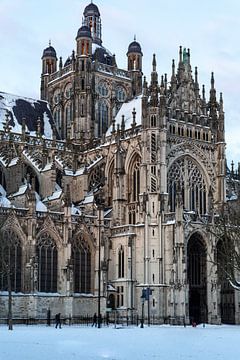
(56, 195)
(39, 205)
(19, 107)
(21, 191)
(126, 110)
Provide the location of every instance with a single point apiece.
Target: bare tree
(226, 230)
(6, 275)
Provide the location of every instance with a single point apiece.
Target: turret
(92, 20)
(83, 122)
(49, 66)
(135, 55)
(84, 41)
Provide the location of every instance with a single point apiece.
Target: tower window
(82, 84)
(121, 263)
(82, 65)
(120, 296)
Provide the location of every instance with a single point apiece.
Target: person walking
(94, 323)
(58, 321)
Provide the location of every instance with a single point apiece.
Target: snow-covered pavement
(87, 343)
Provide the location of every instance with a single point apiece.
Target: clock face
(68, 91)
(57, 96)
(121, 93)
(103, 89)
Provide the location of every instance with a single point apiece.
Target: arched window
(96, 177)
(110, 184)
(121, 262)
(68, 113)
(120, 94)
(103, 89)
(102, 117)
(81, 259)
(134, 189)
(136, 182)
(186, 175)
(10, 260)
(47, 264)
(58, 119)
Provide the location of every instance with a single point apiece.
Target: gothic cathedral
(107, 186)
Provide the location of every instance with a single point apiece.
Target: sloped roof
(19, 107)
(127, 110)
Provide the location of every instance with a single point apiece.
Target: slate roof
(19, 107)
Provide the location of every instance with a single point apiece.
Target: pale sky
(210, 28)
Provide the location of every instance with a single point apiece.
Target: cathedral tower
(135, 55)
(49, 66)
(93, 21)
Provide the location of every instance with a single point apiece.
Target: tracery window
(102, 117)
(110, 184)
(134, 189)
(47, 256)
(120, 94)
(186, 175)
(68, 115)
(81, 260)
(103, 89)
(57, 118)
(10, 260)
(96, 177)
(121, 262)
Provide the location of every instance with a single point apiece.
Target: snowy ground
(87, 343)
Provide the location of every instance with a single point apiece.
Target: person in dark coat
(58, 320)
(94, 320)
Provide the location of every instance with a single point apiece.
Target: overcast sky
(209, 28)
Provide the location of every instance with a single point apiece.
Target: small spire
(154, 63)
(173, 67)
(134, 38)
(38, 126)
(60, 63)
(188, 56)
(196, 74)
(50, 42)
(212, 80)
(203, 92)
(123, 124)
(134, 117)
(180, 54)
(232, 167)
(221, 102)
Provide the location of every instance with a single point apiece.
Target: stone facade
(133, 186)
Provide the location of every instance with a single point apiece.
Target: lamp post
(100, 205)
(142, 319)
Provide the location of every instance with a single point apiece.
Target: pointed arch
(110, 183)
(10, 260)
(197, 278)
(120, 262)
(82, 259)
(47, 257)
(186, 173)
(133, 186)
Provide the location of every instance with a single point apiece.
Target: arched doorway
(197, 279)
(111, 301)
(227, 298)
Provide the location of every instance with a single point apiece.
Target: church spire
(154, 88)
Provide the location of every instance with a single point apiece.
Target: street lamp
(100, 205)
